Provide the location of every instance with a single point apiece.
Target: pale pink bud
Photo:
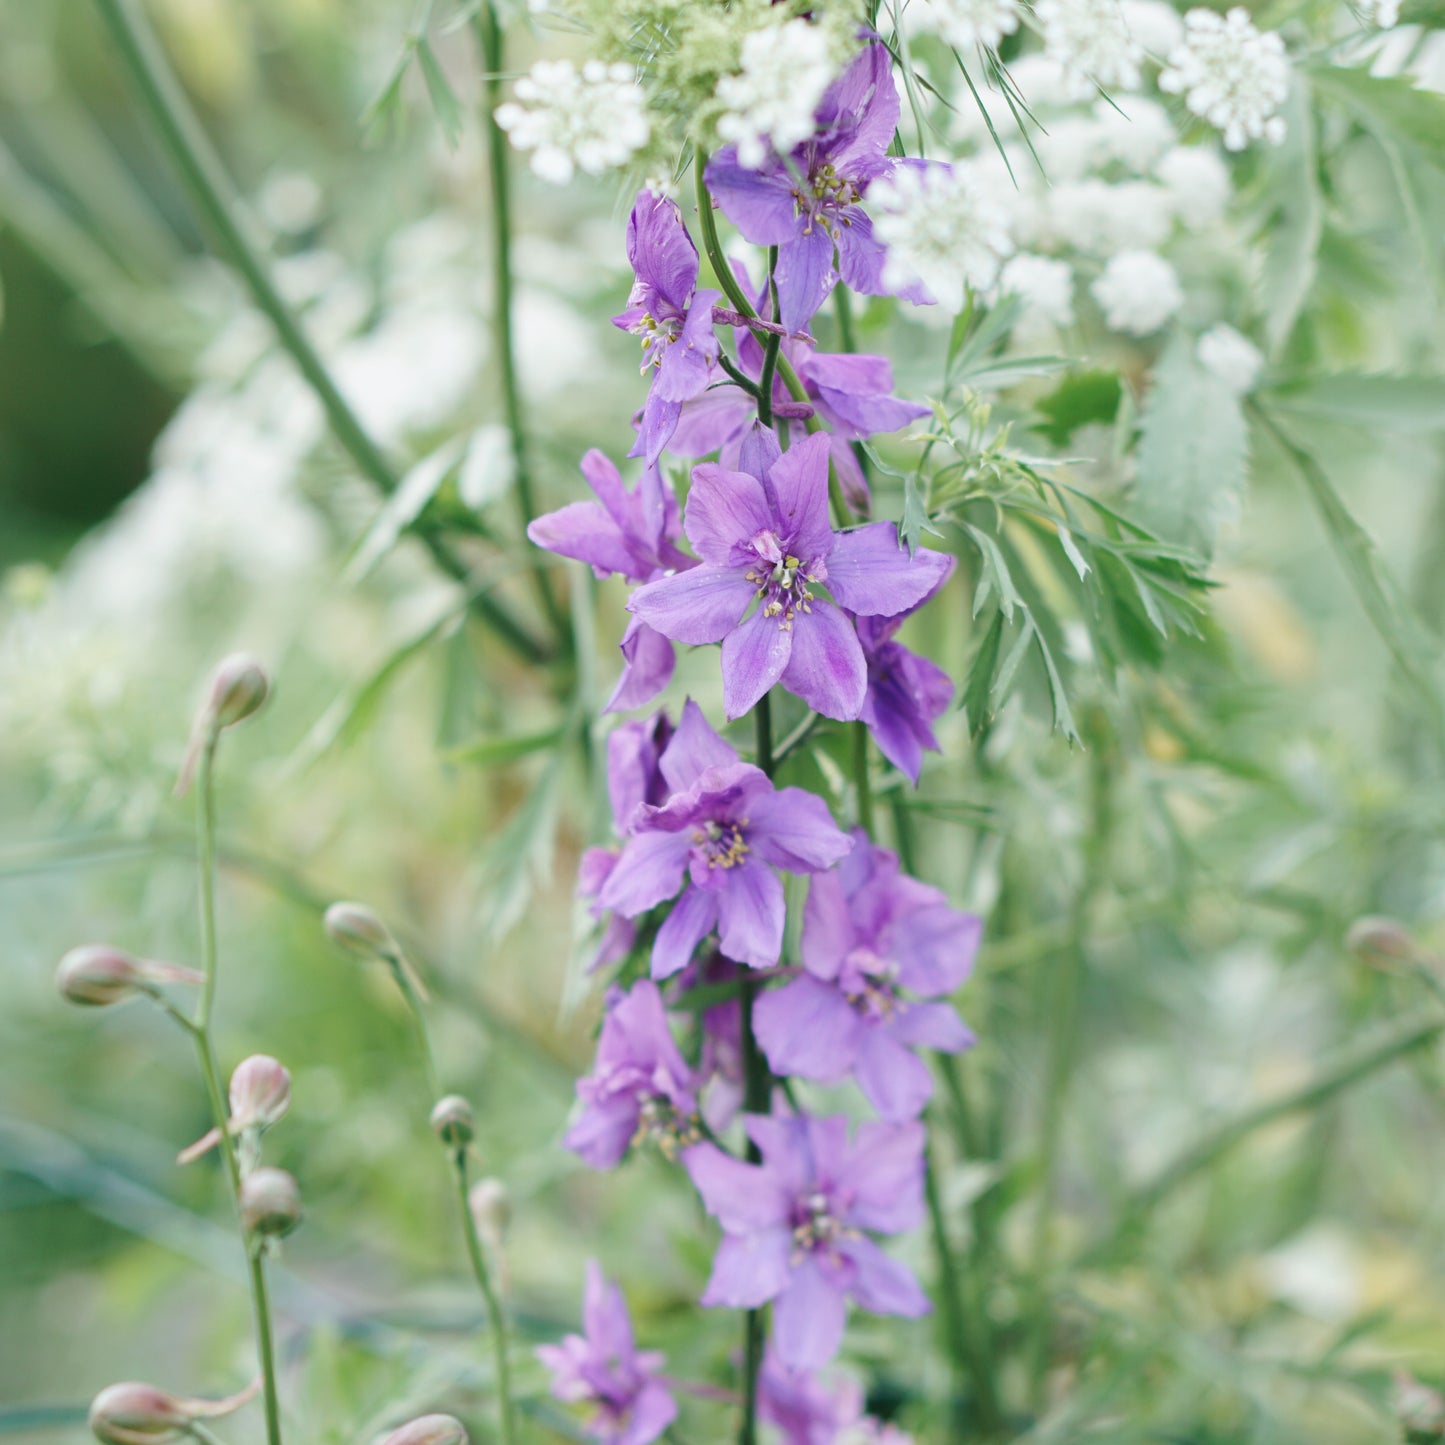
(429, 1430)
(1419, 1409)
(136, 1414)
(260, 1095)
(270, 1202)
(491, 1207)
(1381, 941)
(360, 932)
(453, 1121)
(97, 974)
(239, 686)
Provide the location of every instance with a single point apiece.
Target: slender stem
(206, 857)
(490, 36)
(862, 781)
(495, 1318)
(770, 348)
(214, 196)
(848, 340)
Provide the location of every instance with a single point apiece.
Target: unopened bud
(137, 1414)
(429, 1430)
(1419, 1409)
(491, 1207)
(260, 1095)
(359, 931)
(270, 1203)
(239, 687)
(97, 974)
(1381, 941)
(453, 1121)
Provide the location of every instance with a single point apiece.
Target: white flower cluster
(942, 229)
(1383, 13)
(593, 121)
(1231, 75)
(1045, 287)
(1139, 292)
(769, 105)
(1231, 358)
(1091, 42)
(964, 24)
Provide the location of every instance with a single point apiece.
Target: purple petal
(932, 1026)
(808, 1318)
(650, 869)
(758, 452)
(826, 668)
(800, 480)
(661, 251)
(858, 392)
(694, 748)
(894, 1080)
(885, 1175)
(655, 426)
(850, 475)
(808, 1030)
(860, 108)
(828, 932)
(585, 532)
(882, 1285)
(693, 916)
(653, 1410)
(700, 605)
(793, 829)
(751, 914)
(602, 1133)
(754, 656)
(743, 1198)
(647, 665)
(861, 256)
(936, 947)
(749, 1269)
(725, 511)
(782, 1139)
(687, 363)
(605, 1320)
(870, 571)
(804, 276)
(759, 203)
(712, 420)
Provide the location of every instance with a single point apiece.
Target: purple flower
(769, 539)
(603, 1367)
(906, 692)
(874, 943)
(631, 533)
(810, 1409)
(673, 318)
(807, 221)
(634, 750)
(639, 1087)
(722, 831)
(794, 1226)
(720, 1064)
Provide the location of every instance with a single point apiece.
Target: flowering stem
(862, 783)
(214, 197)
(489, 1295)
(489, 35)
(770, 348)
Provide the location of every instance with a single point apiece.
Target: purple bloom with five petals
(718, 838)
(673, 318)
(808, 221)
(603, 1367)
(639, 1087)
(881, 950)
(631, 533)
(769, 539)
(794, 1226)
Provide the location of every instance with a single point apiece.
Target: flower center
(870, 984)
(664, 1124)
(826, 200)
(656, 334)
(722, 845)
(815, 1227)
(782, 579)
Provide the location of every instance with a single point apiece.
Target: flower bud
(137, 1414)
(1419, 1409)
(1381, 941)
(270, 1203)
(453, 1121)
(360, 932)
(429, 1430)
(97, 974)
(260, 1095)
(491, 1208)
(239, 687)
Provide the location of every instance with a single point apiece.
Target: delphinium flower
(809, 217)
(1091, 42)
(768, 540)
(796, 1226)
(720, 1060)
(640, 1088)
(1231, 358)
(944, 232)
(1231, 75)
(881, 951)
(717, 839)
(769, 105)
(603, 1368)
(631, 533)
(1139, 292)
(634, 750)
(593, 120)
(671, 316)
(964, 24)
(806, 1407)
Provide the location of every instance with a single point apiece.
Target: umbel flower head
(1091, 42)
(718, 838)
(1231, 75)
(767, 539)
(795, 1227)
(603, 1368)
(770, 103)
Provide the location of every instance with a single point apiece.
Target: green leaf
(521, 855)
(489, 752)
(1296, 219)
(995, 575)
(978, 690)
(970, 352)
(443, 99)
(403, 507)
(1402, 403)
(1388, 105)
(1192, 453)
(1080, 399)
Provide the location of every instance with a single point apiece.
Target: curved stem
(495, 1318)
(214, 196)
(770, 348)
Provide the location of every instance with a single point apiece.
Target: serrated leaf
(1063, 714)
(403, 507)
(978, 690)
(1402, 403)
(1192, 453)
(996, 571)
(1071, 551)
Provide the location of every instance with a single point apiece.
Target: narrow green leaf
(997, 570)
(978, 690)
(1389, 105)
(1063, 715)
(403, 507)
(443, 99)
(1297, 215)
(489, 752)
(1403, 403)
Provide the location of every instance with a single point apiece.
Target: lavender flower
(631, 533)
(639, 1087)
(768, 538)
(856, 120)
(602, 1367)
(805, 1408)
(794, 1226)
(719, 836)
(669, 313)
(869, 935)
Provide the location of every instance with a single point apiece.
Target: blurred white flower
(1230, 357)
(594, 120)
(769, 105)
(1041, 79)
(1197, 181)
(1098, 219)
(1135, 132)
(1139, 292)
(1045, 286)
(1090, 41)
(1154, 25)
(963, 24)
(941, 228)
(1231, 75)
(1316, 1272)
(290, 201)
(1382, 13)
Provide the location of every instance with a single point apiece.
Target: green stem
(862, 781)
(492, 41)
(771, 348)
(214, 196)
(206, 856)
(489, 1296)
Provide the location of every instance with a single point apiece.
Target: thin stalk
(214, 197)
(771, 348)
(493, 44)
(206, 859)
(495, 1318)
(848, 340)
(862, 781)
